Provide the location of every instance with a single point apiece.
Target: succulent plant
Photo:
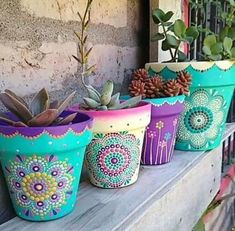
(39, 113)
(96, 100)
(106, 100)
(219, 45)
(173, 34)
(153, 86)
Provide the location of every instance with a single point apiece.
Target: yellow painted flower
(159, 125)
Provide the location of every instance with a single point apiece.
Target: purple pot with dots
(160, 135)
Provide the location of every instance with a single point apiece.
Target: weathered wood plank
(161, 197)
(6, 211)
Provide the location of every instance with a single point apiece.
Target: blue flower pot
(202, 124)
(42, 166)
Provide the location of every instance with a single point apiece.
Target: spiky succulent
(39, 113)
(106, 100)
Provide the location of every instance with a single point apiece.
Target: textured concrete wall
(37, 43)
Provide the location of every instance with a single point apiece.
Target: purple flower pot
(160, 135)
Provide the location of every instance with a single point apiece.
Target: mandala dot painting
(113, 159)
(201, 121)
(39, 185)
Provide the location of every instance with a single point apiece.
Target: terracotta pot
(113, 156)
(42, 166)
(202, 124)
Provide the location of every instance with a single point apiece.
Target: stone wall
(37, 42)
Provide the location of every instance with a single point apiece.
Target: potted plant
(42, 150)
(167, 99)
(202, 123)
(113, 157)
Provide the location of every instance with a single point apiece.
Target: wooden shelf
(165, 198)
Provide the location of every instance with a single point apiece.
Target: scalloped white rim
(165, 102)
(201, 66)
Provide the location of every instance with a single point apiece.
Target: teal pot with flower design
(113, 156)
(202, 124)
(42, 166)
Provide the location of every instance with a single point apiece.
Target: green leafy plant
(221, 45)
(173, 34)
(95, 100)
(39, 113)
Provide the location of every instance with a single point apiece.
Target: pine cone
(136, 88)
(154, 87)
(184, 79)
(140, 74)
(171, 88)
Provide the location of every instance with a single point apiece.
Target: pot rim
(141, 106)
(86, 122)
(197, 65)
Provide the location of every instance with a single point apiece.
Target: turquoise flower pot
(42, 167)
(202, 124)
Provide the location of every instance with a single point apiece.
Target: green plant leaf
(179, 28)
(40, 102)
(157, 37)
(188, 40)
(192, 32)
(206, 50)
(167, 16)
(227, 44)
(223, 33)
(233, 53)
(92, 93)
(114, 100)
(172, 41)
(216, 48)
(106, 93)
(91, 103)
(231, 33)
(182, 57)
(210, 40)
(165, 45)
(215, 57)
(158, 15)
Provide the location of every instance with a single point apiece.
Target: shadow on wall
(6, 210)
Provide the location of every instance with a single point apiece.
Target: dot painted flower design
(40, 185)
(200, 123)
(113, 159)
(160, 125)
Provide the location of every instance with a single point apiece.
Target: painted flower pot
(113, 157)
(202, 124)
(159, 141)
(42, 166)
